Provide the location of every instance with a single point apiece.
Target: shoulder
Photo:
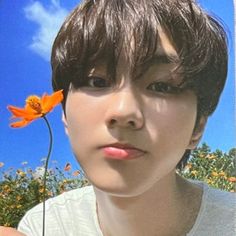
(219, 200)
(217, 213)
(213, 197)
(79, 204)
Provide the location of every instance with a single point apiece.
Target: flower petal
(26, 114)
(50, 101)
(67, 167)
(20, 124)
(18, 112)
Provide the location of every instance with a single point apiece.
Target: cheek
(84, 115)
(172, 121)
(77, 117)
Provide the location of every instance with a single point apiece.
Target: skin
(140, 196)
(7, 231)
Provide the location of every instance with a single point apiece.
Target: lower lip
(122, 153)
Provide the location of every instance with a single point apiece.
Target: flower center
(35, 103)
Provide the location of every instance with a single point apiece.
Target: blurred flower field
(21, 189)
(216, 168)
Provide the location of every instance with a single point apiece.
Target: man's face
(128, 136)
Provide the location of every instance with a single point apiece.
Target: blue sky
(26, 34)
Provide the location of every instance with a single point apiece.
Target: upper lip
(123, 146)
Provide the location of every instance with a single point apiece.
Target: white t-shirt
(74, 214)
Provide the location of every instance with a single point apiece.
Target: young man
(140, 78)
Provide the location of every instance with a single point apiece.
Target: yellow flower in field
(209, 181)
(50, 194)
(194, 172)
(18, 198)
(222, 173)
(6, 189)
(41, 190)
(188, 166)
(21, 173)
(215, 174)
(1, 164)
(18, 206)
(210, 156)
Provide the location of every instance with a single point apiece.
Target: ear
(197, 133)
(63, 118)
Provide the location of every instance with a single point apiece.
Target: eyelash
(95, 82)
(158, 87)
(162, 87)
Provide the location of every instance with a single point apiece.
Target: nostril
(131, 123)
(112, 121)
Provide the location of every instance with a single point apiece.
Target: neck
(150, 212)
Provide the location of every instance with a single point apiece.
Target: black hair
(100, 29)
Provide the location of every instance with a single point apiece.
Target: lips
(119, 151)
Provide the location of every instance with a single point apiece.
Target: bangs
(100, 33)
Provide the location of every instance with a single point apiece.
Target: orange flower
(76, 173)
(35, 107)
(67, 167)
(232, 179)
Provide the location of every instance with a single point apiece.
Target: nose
(124, 111)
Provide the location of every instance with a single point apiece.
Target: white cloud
(49, 20)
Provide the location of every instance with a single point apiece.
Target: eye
(97, 82)
(162, 87)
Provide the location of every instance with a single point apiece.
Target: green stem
(45, 170)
